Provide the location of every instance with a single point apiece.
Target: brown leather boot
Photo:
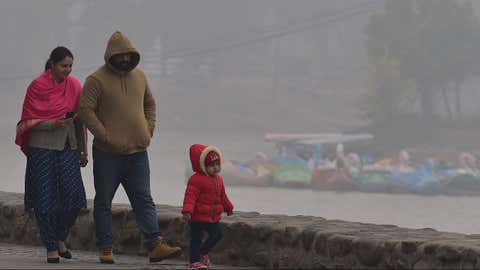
(106, 255)
(163, 251)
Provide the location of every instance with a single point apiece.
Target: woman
(55, 145)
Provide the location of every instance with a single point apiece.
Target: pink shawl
(46, 100)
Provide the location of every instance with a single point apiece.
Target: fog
(227, 72)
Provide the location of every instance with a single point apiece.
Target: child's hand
(187, 216)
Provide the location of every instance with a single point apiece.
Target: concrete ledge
(271, 241)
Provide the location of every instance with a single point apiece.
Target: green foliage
(386, 91)
(425, 43)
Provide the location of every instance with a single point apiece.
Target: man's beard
(122, 65)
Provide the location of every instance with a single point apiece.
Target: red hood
(198, 152)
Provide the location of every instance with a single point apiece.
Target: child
(205, 200)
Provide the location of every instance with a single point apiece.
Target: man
(118, 108)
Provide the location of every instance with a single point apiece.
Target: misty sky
(30, 29)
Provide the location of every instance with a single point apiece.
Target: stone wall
(271, 241)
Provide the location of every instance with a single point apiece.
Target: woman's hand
(187, 216)
(83, 159)
(62, 123)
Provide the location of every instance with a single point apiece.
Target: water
(167, 159)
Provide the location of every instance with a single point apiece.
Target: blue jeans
(197, 247)
(133, 172)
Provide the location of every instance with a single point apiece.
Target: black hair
(57, 55)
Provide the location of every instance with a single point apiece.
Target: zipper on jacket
(122, 82)
(214, 198)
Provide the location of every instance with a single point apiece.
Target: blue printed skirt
(53, 181)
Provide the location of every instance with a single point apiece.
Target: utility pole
(275, 71)
(270, 22)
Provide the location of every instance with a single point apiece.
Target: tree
(386, 94)
(434, 42)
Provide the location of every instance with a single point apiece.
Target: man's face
(122, 61)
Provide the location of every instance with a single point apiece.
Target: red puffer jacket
(205, 198)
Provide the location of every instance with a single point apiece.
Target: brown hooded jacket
(118, 106)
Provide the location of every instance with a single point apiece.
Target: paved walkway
(29, 257)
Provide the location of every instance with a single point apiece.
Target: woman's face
(62, 69)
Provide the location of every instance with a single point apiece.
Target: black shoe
(53, 260)
(67, 254)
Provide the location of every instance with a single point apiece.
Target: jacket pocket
(145, 142)
(144, 138)
(219, 209)
(115, 143)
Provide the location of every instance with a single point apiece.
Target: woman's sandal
(53, 260)
(67, 254)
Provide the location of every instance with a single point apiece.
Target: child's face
(214, 168)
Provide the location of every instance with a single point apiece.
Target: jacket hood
(118, 44)
(198, 153)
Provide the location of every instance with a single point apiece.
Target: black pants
(199, 247)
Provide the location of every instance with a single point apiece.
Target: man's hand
(187, 216)
(83, 159)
